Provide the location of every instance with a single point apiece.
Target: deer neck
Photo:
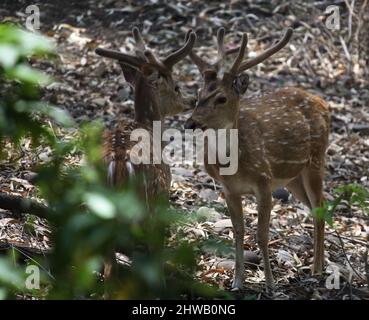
(146, 102)
(235, 121)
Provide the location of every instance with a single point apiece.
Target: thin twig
(345, 254)
(361, 242)
(34, 261)
(351, 12)
(366, 268)
(21, 205)
(345, 49)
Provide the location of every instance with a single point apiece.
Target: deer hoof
(237, 284)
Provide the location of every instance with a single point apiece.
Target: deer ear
(241, 83)
(129, 73)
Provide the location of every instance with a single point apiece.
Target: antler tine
(155, 62)
(138, 39)
(220, 43)
(267, 53)
(237, 62)
(117, 55)
(201, 64)
(187, 36)
(222, 52)
(181, 53)
(231, 51)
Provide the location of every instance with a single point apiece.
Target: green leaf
(61, 116)
(354, 194)
(24, 73)
(27, 43)
(9, 275)
(8, 55)
(2, 294)
(85, 275)
(33, 43)
(324, 214)
(100, 205)
(129, 206)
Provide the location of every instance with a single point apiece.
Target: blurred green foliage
(21, 111)
(88, 219)
(348, 195)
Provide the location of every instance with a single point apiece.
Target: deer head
(152, 77)
(218, 100)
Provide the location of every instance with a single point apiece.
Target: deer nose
(190, 124)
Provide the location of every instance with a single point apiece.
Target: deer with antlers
(156, 95)
(282, 137)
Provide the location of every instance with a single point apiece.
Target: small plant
(21, 111)
(348, 195)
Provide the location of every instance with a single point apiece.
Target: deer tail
(119, 167)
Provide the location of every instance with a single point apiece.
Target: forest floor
(317, 59)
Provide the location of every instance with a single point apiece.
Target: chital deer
(156, 95)
(282, 141)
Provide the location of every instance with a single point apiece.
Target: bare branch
(20, 205)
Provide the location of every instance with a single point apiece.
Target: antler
(204, 66)
(155, 62)
(237, 62)
(140, 44)
(220, 44)
(181, 53)
(147, 56)
(221, 52)
(201, 64)
(126, 58)
(238, 66)
(117, 55)
(267, 53)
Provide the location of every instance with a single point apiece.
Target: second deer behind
(156, 95)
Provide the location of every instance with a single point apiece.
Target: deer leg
(234, 204)
(264, 198)
(110, 274)
(313, 183)
(296, 187)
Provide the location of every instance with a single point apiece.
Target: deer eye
(221, 100)
(177, 89)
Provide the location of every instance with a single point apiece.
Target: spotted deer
(282, 138)
(156, 95)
